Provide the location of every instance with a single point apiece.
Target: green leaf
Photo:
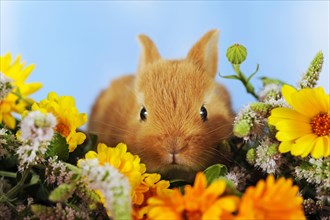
(230, 77)
(214, 172)
(230, 187)
(62, 193)
(236, 54)
(59, 147)
(250, 77)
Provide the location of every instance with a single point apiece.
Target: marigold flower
(16, 101)
(305, 128)
(67, 115)
(150, 185)
(271, 199)
(198, 202)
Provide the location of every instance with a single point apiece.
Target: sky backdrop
(79, 46)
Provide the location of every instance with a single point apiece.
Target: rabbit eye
(203, 113)
(143, 114)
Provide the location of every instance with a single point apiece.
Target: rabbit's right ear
(149, 53)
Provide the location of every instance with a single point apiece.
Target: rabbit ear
(149, 52)
(205, 52)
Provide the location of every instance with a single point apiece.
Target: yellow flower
(198, 202)
(13, 103)
(271, 199)
(67, 115)
(150, 185)
(304, 128)
(127, 163)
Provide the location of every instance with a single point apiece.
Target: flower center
(191, 215)
(63, 129)
(321, 124)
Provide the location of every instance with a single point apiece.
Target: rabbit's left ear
(149, 53)
(205, 52)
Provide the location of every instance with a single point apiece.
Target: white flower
(267, 157)
(112, 184)
(5, 86)
(272, 90)
(37, 127)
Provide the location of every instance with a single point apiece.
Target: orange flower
(271, 199)
(198, 202)
(150, 185)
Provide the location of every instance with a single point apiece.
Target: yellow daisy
(67, 115)
(305, 128)
(12, 102)
(127, 163)
(271, 199)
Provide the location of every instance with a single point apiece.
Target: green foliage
(62, 193)
(59, 147)
(215, 171)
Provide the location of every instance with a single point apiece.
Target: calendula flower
(36, 131)
(271, 199)
(118, 157)
(113, 186)
(198, 202)
(150, 185)
(305, 128)
(67, 115)
(17, 100)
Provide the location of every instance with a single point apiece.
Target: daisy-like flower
(36, 131)
(67, 115)
(150, 185)
(17, 100)
(305, 128)
(271, 199)
(198, 202)
(118, 157)
(111, 184)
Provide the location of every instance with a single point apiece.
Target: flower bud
(236, 54)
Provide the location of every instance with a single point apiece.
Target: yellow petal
(9, 121)
(306, 103)
(278, 114)
(289, 135)
(287, 92)
(91, 155)
(291, 126)
(302, 144)
(327, 146)
(285, 146)
(319, 148)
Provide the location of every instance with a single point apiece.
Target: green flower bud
(261, 108)
(242, 128)
(236, 54)
(272, 150)
(310, 78)
(251, 156)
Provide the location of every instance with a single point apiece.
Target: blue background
(79, 46)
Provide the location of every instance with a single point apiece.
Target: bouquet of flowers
(49, 169)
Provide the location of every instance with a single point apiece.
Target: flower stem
(13, 191)
(8, 174)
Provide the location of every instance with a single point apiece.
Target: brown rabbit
(172, 113)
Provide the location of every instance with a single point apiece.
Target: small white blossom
(37, 127)
(112, 184)
(5, 86)
(267, 157)
(273, 90)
